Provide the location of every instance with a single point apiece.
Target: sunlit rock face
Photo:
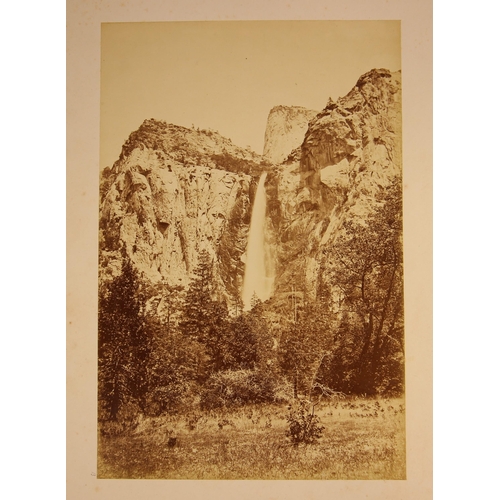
(286, 126)
(174, 192)
(364, 128)
(351, 150)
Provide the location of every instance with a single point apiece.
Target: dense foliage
(164, 349)
(124, 345)
(367, 277)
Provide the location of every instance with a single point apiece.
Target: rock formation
(351, 150)
(172, 193)
(175, 191)
(286, 126)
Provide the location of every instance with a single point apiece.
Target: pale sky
(228, 75)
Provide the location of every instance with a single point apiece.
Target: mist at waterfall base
(259, 271)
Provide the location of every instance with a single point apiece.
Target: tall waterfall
(259, 271)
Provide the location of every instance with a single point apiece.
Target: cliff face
(362, 128)
(174, 192)
(351, 151)
(286, 126)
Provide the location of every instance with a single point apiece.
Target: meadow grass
(362, 439)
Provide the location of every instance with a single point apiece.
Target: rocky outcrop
(172, 193)
(351, 150)
(286, 126)
(176, 191)
(358, 132)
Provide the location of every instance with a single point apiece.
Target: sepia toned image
(250, 302)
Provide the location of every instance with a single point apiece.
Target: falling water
(258, 270)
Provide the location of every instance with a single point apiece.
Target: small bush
(304, 427)
(235, 388)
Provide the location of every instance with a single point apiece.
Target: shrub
(237, 388)
(303, 427)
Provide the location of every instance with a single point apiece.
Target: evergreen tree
(123, 344)
(172, 369)
(255, 301)
(198, 302)
(170, 299)
(265, 343)
(205, 320)
(216, 341)
(241, 347)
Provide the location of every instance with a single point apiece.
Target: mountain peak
(285, 130)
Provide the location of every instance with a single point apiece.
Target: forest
(165, 349)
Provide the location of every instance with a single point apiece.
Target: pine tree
(255, 301)
(198, 302)
(205, 320)
(123, 343)
(172, 368)
(303, 347)
(216, 341)
(241, 352)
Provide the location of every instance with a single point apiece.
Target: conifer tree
(205, 320)
(241, 352)
(123, 343)
(198, 301)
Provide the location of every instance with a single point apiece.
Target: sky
(228, 75)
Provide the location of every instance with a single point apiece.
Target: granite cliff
(172, 193)
(285, 130)
(350, 153)
(176, 191)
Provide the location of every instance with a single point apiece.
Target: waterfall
(259, 272)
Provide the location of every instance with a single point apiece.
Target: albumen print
(251, 309)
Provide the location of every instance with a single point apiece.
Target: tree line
(168, 349)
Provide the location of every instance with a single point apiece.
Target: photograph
(250, 302)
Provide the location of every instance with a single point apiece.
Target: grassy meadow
(362, 439)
